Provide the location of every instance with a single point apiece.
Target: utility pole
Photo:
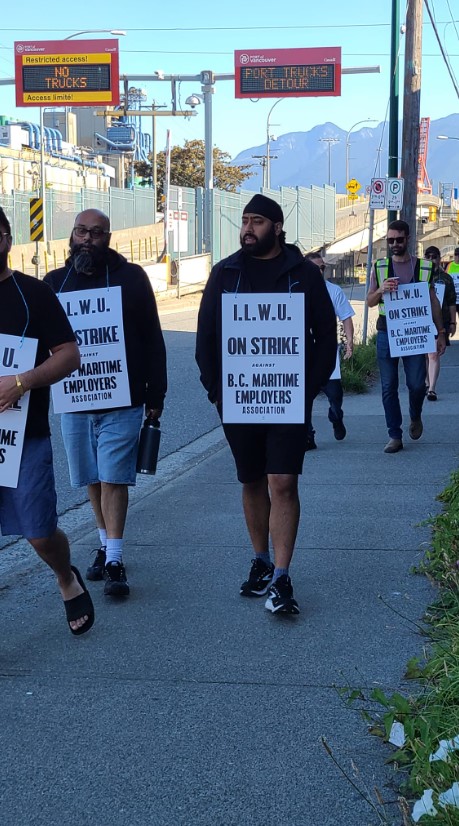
(331, 142)
(392, 166)
(262, 159)
(411, 114)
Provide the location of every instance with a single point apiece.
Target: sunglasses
(400, 239)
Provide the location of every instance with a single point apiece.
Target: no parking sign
(378, 193)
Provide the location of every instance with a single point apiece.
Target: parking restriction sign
(378, 193)
(394, 193)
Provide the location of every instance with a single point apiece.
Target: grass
(358, 372)
(431, 713)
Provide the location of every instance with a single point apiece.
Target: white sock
(114, 550)
(103, 537)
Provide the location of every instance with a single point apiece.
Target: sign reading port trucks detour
(278, 73)
(66, 72)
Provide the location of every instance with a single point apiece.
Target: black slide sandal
(80, 606)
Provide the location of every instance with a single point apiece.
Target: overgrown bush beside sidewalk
(358, 372)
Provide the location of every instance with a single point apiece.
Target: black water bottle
(147, 454)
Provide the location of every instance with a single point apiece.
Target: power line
(230, 28)
(321, 26)
(440, 44)
(453, 21)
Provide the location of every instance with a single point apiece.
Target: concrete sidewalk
(188, 705)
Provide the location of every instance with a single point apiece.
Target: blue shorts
(102, 447)
(30, 509)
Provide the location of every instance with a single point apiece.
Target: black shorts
(259, 449)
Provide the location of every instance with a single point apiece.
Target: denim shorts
(102, 447)
(30, 509)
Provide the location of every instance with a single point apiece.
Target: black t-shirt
(29, 307)
(263, 273)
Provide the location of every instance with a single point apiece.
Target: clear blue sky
(184, 38)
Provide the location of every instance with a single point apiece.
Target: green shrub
(358, 372)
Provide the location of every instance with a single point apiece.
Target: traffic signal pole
(392, 166)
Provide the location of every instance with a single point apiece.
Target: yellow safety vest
(384, 268)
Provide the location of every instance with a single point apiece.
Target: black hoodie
(295, 274)
(145, 350)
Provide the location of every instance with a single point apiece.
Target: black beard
(4, 260)
(88, 260)
(261, 247)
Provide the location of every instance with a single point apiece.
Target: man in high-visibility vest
(445, 285)
(385, 277)
(453, 270)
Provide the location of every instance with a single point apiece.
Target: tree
(187, 168)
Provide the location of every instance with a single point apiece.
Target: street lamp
(117, 32)
(207, 89)
(366, 120)
(330, 142)
(446, 138)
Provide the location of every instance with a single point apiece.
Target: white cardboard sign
(455, 277)
(16, 356)
(440, 291)
(263, 355)
(101, 381)
(410, 326)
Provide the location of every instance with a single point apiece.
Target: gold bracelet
(20, 386)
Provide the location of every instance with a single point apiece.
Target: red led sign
(277, 73)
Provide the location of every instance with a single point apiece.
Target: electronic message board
(66, 72)
(277, 73)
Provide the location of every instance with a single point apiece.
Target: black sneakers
(259, 578)
(339, 431)
(280, 597)
(116, 584)
(96, 571)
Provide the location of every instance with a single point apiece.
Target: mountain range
(309, 158)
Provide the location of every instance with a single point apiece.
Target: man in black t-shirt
(269, 456)
(29, 310)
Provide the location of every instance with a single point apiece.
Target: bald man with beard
(101, 444)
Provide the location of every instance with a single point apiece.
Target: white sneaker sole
(286, 608)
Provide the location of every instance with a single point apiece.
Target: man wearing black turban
(269, 457)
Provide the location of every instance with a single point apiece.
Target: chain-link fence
(125, 208)
(310, 214)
